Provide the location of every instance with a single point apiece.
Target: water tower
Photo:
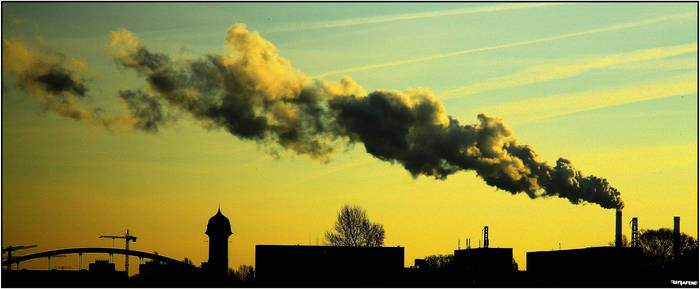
(218, 230)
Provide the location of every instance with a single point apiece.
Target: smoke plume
(255, 94)
(46, 78)
(52, 81)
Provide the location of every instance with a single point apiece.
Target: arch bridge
(110, 251)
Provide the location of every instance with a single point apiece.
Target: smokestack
(486, 236)
(635, 233)
(676, 237)
(618, 228)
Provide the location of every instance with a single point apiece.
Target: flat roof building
(327, 265)
(587, 266)
(485, 260)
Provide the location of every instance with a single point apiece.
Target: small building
(289, 265)
(153, 269)
(419, 264)
(102, 266)
(160, 274)
(485, 261)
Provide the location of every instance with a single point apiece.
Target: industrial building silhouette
(280, 265)
(335, 266)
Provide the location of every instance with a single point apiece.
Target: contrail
(547, 72)
(520, 43)
(391, 18)
(562, 104)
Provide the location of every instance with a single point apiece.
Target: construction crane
(127, 238)
(11, 249)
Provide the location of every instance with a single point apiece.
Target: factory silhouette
(345, 266)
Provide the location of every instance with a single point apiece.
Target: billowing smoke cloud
(46, 78)
(147, 110)
(412, 130)
(53, 81)
(255, 94)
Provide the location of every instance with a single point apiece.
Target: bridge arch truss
(111, 251)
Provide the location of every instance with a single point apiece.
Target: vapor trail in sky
(547, 72)
(513, 44)
(255, 94)
(410, 16)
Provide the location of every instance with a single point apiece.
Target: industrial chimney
(635, 233)
(676, 237)
(486, 236)
(618, 228)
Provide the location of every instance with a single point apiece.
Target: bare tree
(439, 261)
(245, 273)
(353, 228)
(657, 246)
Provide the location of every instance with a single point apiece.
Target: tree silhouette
(657, 246)
(353, 228)
(244, 273)
(439, 261)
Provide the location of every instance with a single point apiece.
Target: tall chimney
(486, 236)
(635, 233)
(676, 237)
(618, 228)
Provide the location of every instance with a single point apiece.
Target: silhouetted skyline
(369, 265)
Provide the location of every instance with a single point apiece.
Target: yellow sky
(616, 94)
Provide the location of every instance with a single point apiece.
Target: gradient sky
(610, 86)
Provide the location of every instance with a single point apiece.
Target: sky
(611, 87)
